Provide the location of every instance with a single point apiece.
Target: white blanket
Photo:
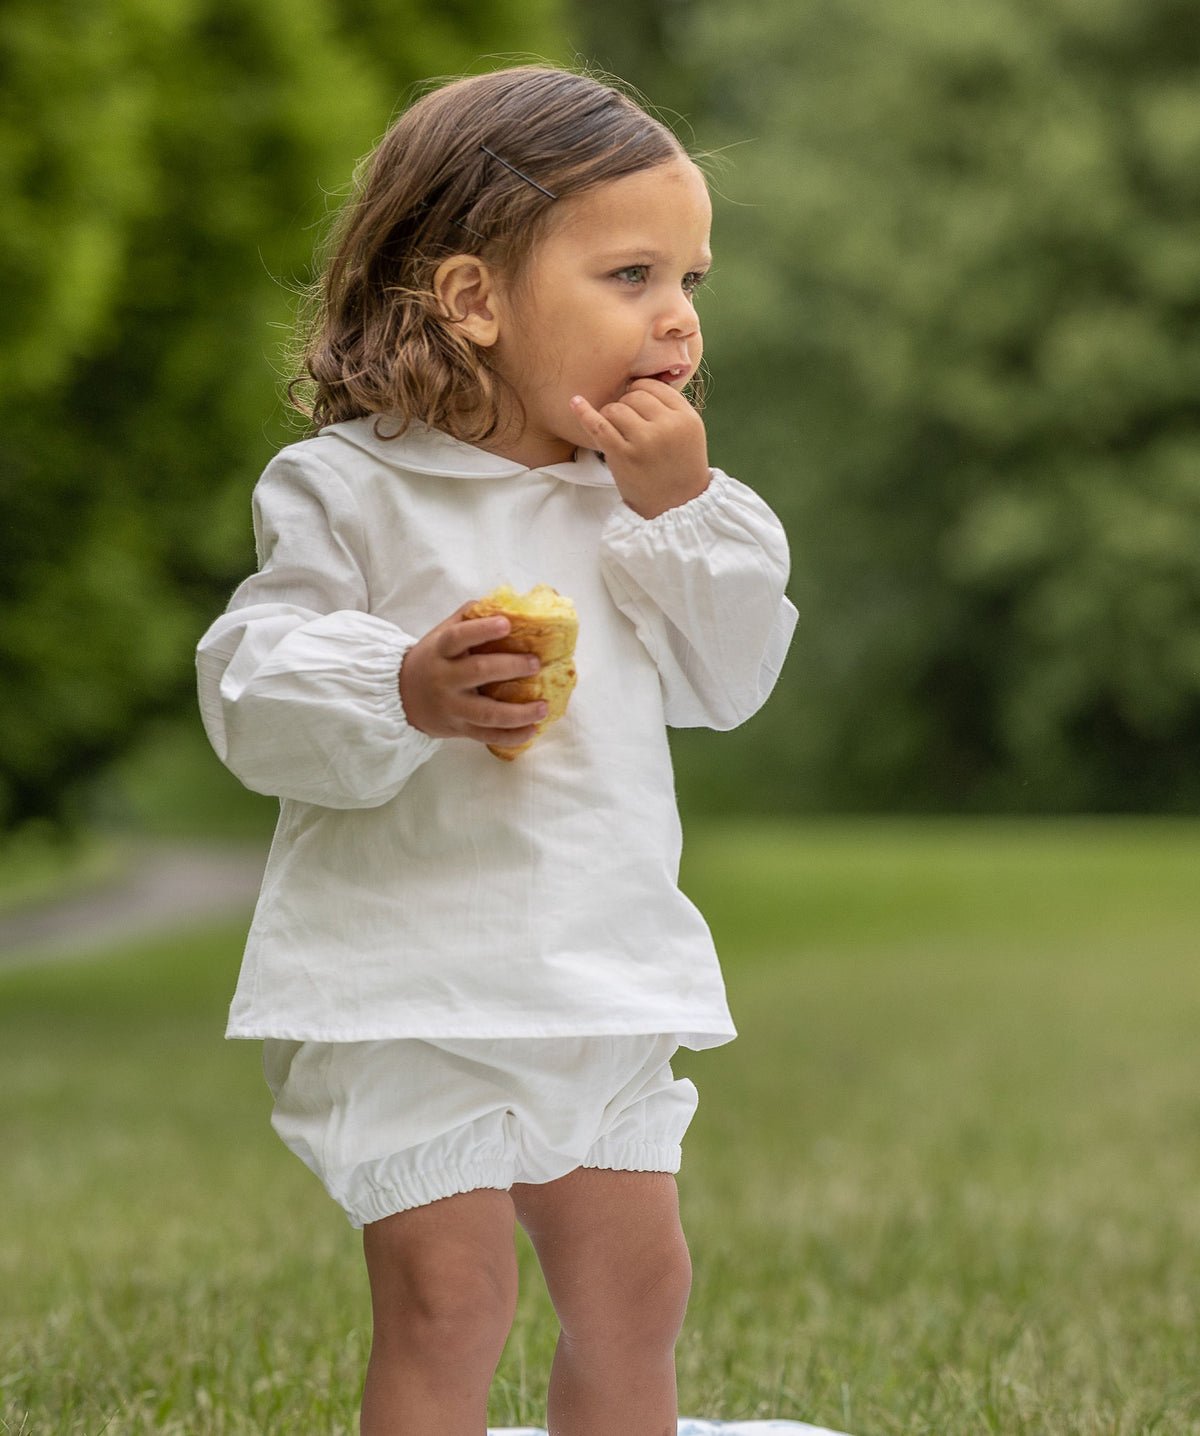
(689, 1427)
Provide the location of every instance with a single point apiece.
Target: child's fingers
(659, 393)
(492, 713)
(647, 401)
(504, 737)
(459, 635)
(486, 717)
(652, 402)
(595, 425)
(475, 669)
(630, 414)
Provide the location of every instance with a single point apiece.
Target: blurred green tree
(161, 165)
(955, 332)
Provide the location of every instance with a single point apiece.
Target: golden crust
(544, 623)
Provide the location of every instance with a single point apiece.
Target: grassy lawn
(947, 1181)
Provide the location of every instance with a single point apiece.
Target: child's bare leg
(443, 1294)
(618, 1272)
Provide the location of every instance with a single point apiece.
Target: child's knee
(459, 1312)
(639, 1305)
(449, 1312)
(667, 1285)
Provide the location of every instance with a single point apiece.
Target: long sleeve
(703, 585)
(298, 682)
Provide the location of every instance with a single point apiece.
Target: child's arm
(695, 560)
(304, 693)
(298, 681)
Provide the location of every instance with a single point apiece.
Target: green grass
(947, 1181)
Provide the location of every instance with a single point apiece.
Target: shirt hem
(694, 1035)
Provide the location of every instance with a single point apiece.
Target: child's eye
(638, 274)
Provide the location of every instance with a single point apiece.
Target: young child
(470, 974)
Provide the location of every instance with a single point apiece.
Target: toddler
(470, 975)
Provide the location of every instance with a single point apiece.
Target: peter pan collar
(422, 450)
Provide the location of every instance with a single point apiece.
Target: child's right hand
(441, 674)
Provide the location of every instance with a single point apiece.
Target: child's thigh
(610, 1244)
(454, 1253)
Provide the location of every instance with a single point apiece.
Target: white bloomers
(397, 1124)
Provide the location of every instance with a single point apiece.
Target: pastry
(545, 623)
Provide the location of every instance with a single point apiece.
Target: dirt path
(164, 888)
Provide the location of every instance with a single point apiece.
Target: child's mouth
(668, 376)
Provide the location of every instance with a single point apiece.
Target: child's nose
(678, 318)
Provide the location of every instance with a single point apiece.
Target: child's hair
(377, 341)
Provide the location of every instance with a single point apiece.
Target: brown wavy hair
(374, 340)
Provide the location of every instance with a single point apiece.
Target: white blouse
(420, 887)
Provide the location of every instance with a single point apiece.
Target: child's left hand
(654, 443)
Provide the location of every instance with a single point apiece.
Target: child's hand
(440, 675)
(654, 443)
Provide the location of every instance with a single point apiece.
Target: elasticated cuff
(610, 1154)
(418, 1189)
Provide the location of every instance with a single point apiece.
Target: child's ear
(466, 291)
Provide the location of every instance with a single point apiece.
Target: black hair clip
(469, 230)
(517, 172)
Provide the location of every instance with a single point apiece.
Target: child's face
(605, 298)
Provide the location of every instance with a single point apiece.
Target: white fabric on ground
(688, 1427)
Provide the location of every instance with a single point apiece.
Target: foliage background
(954, 336)
(164, 173)
(953, 332)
